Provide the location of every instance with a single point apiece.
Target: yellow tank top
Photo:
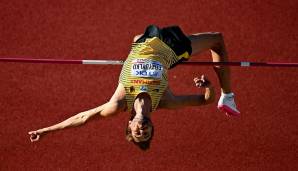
(145, 70)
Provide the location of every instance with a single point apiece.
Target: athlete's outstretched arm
(115, 105)
(107, 109)
(214, 42)
(171, 101)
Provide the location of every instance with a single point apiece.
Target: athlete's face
(141, 129)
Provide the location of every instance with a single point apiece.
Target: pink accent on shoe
(228, 110)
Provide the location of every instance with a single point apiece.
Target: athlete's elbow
(81, 118)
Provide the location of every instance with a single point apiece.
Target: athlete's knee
(137, 37)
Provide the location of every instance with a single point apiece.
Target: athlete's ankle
(230, 94)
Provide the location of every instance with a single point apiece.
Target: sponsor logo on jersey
(148, 82)
(146, 68)
(144, 88)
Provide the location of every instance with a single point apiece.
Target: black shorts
(172, 36)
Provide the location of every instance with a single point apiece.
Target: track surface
(32, 96)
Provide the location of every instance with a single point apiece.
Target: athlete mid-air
(143, 84)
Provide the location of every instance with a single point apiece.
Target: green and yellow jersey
(145, 70)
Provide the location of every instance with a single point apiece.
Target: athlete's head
(140, 128)
(140, 131)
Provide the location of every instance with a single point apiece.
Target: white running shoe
(227, 104)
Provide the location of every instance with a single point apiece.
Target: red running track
(265, 137)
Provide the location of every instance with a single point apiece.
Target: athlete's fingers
(34, 137)
(199, 83)
(203, 83)
(32, 132)
(203, 77)
(195, 79)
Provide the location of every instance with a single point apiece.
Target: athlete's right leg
(214, 42)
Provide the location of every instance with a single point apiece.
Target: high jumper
(143, 82)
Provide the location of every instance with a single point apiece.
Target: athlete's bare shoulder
(119, 97)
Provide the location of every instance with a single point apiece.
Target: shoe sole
(228, 110)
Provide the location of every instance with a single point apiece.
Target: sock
(228, 94)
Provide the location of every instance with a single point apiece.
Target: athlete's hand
(202, 82)
(35, 135)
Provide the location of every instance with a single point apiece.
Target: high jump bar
(120, 62)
